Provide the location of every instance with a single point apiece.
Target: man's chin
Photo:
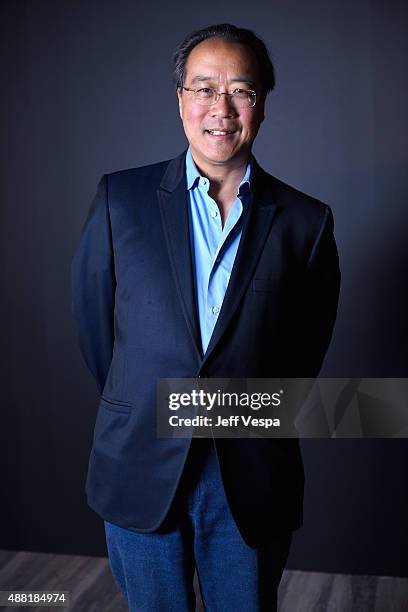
(220, 157)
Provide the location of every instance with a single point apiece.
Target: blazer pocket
(263, 284)
(115, 405)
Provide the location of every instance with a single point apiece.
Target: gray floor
(92, 588)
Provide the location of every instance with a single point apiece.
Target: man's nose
(224, 106)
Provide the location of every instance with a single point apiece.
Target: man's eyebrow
(199, 78)
(243, 80)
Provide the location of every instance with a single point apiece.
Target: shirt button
(215, 309)
(214, 214)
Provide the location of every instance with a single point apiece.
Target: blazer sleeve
(93, 287)
(320, 300)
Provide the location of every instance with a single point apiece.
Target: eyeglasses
(240, 98)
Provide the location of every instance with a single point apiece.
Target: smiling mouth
(221, 132)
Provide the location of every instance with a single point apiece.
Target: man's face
(224, 66)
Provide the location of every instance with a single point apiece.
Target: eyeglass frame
(222, 93)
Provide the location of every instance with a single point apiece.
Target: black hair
(230, 33)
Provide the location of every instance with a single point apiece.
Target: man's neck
(224, 182)
(224, 178)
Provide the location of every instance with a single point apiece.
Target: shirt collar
(193, 175)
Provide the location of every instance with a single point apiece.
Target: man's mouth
(220, 132)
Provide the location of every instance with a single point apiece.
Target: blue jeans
(155, 571)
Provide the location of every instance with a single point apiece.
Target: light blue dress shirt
(215, 247)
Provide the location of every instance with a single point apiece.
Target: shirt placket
(216, 287)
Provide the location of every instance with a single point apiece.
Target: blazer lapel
(173, 203)
(261, 212)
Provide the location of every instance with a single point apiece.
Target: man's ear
(180, 102)
(263, 109)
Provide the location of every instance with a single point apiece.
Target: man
(203, 266)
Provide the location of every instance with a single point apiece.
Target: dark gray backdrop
(86, 89)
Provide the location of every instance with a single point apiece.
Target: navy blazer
(134, 301)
